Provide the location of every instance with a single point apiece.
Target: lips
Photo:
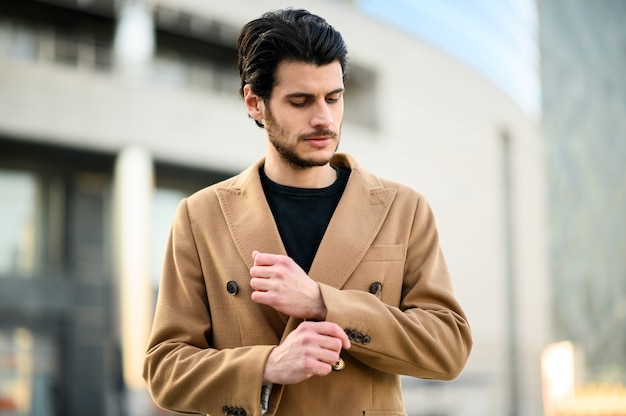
(320, 138)
(319, 141)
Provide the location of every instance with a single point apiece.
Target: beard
(288, 152)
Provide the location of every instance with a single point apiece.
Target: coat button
(366, 339)
(376, 289)
(232, 287)
(339, 365)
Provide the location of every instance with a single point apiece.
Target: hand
(279, 282)
(309, 350)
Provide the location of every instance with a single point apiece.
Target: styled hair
(285, 35)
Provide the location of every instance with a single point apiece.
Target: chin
(321, 159)
(305, 162)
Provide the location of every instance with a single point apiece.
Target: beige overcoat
(383, 279)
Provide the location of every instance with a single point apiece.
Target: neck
(312, 177)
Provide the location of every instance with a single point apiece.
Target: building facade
(584, 105)
(87, 146)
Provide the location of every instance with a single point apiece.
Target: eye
(333, 98)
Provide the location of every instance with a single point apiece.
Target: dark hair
(287, 34)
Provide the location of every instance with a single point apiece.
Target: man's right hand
(309, 350)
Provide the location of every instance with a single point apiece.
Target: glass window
(27, 373)
(18, 240)
(25, 43)
(32, 224)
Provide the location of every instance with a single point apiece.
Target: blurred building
(105, 125)
(583, 66)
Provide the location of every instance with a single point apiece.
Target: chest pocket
(381, 272)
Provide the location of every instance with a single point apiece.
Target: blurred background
(509, 116)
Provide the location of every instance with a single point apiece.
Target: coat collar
(354, 225)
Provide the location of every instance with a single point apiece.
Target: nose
(322, 116)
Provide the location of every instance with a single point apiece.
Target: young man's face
(304, 114)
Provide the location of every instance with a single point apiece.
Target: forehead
(300, 77)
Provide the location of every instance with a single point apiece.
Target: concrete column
(133, 196)
(134, 43)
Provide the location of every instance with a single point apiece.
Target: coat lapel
(248, 215)
(354, 225)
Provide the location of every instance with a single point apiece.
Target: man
(304, 285)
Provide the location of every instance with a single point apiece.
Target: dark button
(232, 287)
(233, 411)
(356, 336)
(376, 289)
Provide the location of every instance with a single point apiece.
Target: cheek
(293, 124)
(338, 114)
(281, 129)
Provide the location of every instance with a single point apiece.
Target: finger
(329, 329)
(269, 259)
(257, 284)
(269, 298)
(328, 357)
(345, 340)
(260, 284)
(260, 272)
(330, 348)
(263, 259)
(259, 297)
(335, 331)
(318, 366)
(261, 265)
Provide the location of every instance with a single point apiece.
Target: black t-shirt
(302, 214)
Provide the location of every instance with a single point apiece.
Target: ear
(254, 103)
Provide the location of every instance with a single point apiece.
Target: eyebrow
(307, 95)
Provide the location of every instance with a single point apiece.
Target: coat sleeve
(182, 370)
(427, 335)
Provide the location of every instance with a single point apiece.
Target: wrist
(320, 310)
(267, 370)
